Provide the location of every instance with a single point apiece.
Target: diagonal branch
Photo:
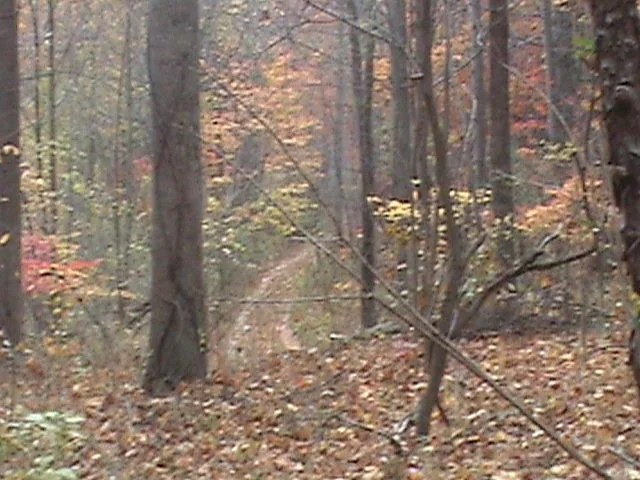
(431, 332)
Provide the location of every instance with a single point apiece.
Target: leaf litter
(293, 411)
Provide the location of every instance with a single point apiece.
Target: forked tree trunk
(455, 270)
(177, 338)
(11, 300)
(617, 33)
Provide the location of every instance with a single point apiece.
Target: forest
(319, 239)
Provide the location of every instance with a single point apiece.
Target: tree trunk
(129, 176)
(401, 150)
(11, 299)
(177, 338)
(53, 160)
(500, 127)
(422, 170)
(249, 160)
(338, 153)
(479, 97)
(117, 202)
(37, 126)
(362, 73)
(618, 61)
(437, 355)
(562, 74)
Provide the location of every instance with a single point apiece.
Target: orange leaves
(268, 425)
(35, 368)
(48, 269)
(282, 101)
(564, 207)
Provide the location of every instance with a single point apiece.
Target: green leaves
(47, 442)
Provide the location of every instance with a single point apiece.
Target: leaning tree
(617, 56)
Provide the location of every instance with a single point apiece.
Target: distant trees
(177, 338)
(11, 300)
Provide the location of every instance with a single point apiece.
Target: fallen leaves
(286, 416)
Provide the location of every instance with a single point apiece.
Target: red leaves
(44, 271)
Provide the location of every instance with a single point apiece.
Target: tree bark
(500, 127)
(37, 126)
(437, 355)
(617, 33)
(177, 337)
(338, 151)
(422, 168)
(53, 159)
(479, 96)
(401, 161)
(11, 298)
(562, 71)
(362, 78)
(401, 150)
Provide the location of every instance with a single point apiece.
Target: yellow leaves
(399, 216)
(59, 349)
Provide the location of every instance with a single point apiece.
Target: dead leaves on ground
(285, 421)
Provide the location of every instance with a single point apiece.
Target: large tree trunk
(618, 61)
(177, 339)
(362, 78)
(500, 126)
(11, 300)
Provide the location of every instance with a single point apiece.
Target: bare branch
(430, 331)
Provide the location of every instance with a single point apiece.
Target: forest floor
(277, 407)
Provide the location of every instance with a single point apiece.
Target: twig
(562, 261)
(289, 301)
(625, 457)
(514, 272)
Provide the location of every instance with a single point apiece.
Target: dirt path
(264, 328)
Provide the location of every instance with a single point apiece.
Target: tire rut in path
(260, 329)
